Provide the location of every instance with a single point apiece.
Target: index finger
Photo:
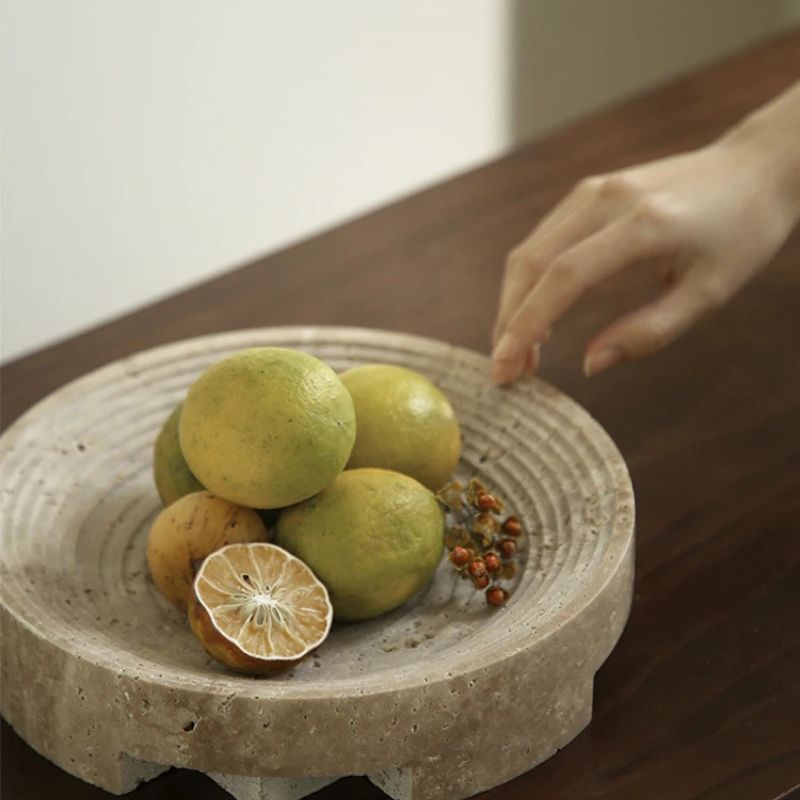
(566, 224)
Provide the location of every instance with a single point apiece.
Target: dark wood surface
(701, 698)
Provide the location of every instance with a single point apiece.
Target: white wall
(147, 144)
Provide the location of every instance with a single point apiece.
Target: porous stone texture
(442, 698)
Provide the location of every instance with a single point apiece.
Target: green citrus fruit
(267, 427)
(172, 475)
(404, 423)
(373, 537)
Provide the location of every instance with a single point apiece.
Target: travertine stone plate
(440, 699)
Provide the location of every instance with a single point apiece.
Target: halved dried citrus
(258, 609)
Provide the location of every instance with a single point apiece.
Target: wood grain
(701, 699)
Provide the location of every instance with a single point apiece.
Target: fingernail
(498, 373)
(601, 360)
(503, 358)
(506, 348)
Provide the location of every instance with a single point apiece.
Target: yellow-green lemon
(267, 427)
(374, 538)
(404, 423)
(172, 475)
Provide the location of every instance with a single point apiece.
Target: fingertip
(512, 357)
(507, 349)
(502, 373)
(497, 373)
(601, 359)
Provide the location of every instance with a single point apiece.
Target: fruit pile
(294, 496)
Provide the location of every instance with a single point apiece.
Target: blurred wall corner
(570, 57)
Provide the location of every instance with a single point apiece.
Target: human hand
(707, 221)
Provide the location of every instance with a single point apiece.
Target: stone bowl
(443, 698)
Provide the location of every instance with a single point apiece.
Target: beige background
(147, 145)
(570, 56)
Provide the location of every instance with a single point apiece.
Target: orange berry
(460, 556)
(481, 582)
(477, 567)
(508, 548)
(496, 596)
(493, 563)
(486, 502)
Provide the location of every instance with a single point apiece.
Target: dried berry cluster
(482, 547)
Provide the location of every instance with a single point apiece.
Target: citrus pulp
(258, 609)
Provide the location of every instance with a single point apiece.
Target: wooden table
(701, 698)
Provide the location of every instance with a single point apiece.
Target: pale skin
(706, 222)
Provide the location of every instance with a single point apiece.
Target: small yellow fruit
(267, 427)
(172, 475)
(187, 531)
(257, 609)
(403, 423)
(373, 537)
